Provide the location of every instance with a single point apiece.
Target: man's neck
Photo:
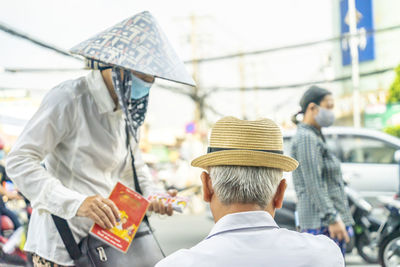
(222, 210)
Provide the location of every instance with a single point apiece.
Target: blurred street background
(250, 59)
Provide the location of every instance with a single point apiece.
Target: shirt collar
(243, 220)
(100, 93)
(312, 128)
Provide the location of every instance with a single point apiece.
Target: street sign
(365, 23)
(381, 116)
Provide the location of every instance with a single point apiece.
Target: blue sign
(365, 24)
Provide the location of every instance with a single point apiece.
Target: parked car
(367, 156)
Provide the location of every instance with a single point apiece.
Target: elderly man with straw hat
(84, 139)
(243, 184)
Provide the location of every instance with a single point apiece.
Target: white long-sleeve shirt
(254, 239)
(82, 141)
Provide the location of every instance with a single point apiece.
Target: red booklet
(132, 208)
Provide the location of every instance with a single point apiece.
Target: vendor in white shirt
(244, 185)
(79, 133)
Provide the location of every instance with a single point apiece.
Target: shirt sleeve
(311, 162)
(50, 125)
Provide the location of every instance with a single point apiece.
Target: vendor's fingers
(155, 206)
(162, 208)
(109, 213)
(97, 219)
(173, 192)
(150, 207)
(103, 217)
(169, 210)
(113, 207)
(107, 210)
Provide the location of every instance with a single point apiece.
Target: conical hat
(137, 43)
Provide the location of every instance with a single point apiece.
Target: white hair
(243, 184)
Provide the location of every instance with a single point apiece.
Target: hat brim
(246, 158)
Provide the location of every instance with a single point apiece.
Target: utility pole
(355, 73)
(195, 68)
(256, 97)
(242, 86)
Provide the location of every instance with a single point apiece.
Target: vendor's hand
(159, 207)
(338, 231)
(101, 210)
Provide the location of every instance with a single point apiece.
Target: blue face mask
(325, 117)
(2, 154)
(139, 88)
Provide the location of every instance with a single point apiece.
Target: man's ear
(207, 186)
(280, 193)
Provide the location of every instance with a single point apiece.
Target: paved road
(183, 231)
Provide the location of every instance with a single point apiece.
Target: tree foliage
(393, 130)
(394, 91)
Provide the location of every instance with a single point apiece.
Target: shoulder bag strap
(135, 177)
(137, 186)
(67, 237)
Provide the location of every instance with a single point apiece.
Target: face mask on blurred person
(2, 154)
(139, 88)
(325, 117)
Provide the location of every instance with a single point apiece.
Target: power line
(287, 86)
(38, 42)
(17, 33)
(271, 87)
(215, 89)
(15, 70)
(299, 45)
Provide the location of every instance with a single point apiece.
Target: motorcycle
(366, 229)
(11, 239)
(10, 251)
(389, 242)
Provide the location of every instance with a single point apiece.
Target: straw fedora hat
(246, 143)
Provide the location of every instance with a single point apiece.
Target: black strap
(136, 182)
(67, 237)
(135, 177)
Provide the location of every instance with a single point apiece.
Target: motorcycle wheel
(389, 251)
(367, 251)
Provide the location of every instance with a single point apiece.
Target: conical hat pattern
(137, 43)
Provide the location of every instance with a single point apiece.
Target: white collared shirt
(253, 239)
(82, 141)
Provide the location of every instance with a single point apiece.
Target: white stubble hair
(245, 185)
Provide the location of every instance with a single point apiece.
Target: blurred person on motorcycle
(84, 131)
(322, 204)
(9, 195)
